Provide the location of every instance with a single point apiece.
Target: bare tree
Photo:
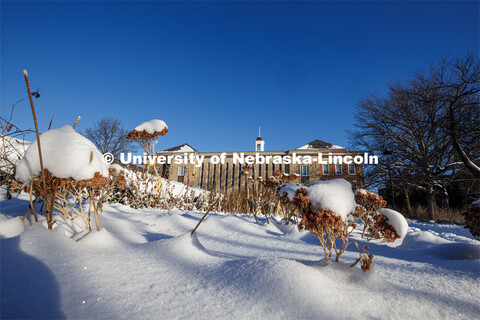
(430, 122)
(458, 84)
(109, 135)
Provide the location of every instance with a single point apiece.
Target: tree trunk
(431, 203)
(407, 200)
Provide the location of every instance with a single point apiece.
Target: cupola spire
(259, 143)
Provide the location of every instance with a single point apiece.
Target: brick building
(228, 175)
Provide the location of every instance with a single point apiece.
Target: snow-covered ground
(143, 264)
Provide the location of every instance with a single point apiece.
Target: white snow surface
(143, 264)
(396, 220)
(476, 202)
(151, 126)
(11, 227)
(335, 195)
(65, 153)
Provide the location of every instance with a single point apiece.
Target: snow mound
(335, 195)
(396, 220)
(66, 154)
(11, 227)
(476, 203)
(152, 126)
(182, 249)
(248, 270)
(419, 239)
(101, 239)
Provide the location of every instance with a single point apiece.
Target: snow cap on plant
(397, 221)
(66, 154)
(334, 195)
(149, 130)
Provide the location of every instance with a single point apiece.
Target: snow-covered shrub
(114, 191)
(472, 219)
(146, 135)
(378, 222)
(329, 212)
(73, 170)
(138, 190)
(285, 206)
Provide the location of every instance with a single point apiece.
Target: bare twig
(25, 74)
(204, 216)
(76, 121)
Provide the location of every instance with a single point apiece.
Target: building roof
(319, 144)
(313, 145)
(182, 148)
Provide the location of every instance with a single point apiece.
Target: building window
(354, 185)
(351, 168)
(326, 169)
(214, 174)
(287, 168)
(166, 171)
(338, 169)
(208, 176)
(239, 176)
(233, 175)
(266, 170)
(280, 167)
(304, 174)
(273, 169)
(201, 176)
(220, 177)
(259, 148)
(259, 170)
(181, 173)
(304, 171)
(226, 178)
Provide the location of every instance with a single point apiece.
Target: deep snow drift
(143, 264)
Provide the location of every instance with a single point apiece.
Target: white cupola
(259, 143)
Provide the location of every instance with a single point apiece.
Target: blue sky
(215, 71)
